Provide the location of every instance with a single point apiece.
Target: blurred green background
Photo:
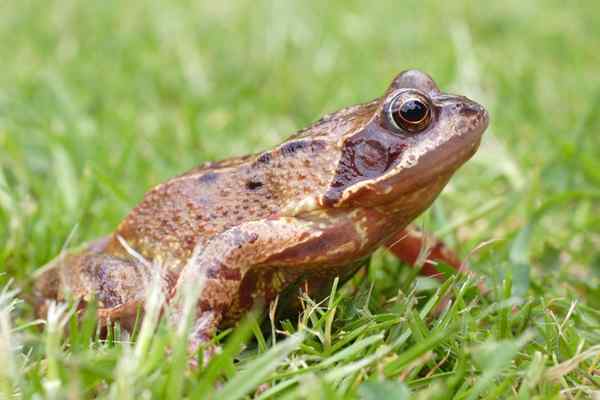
(100, 100)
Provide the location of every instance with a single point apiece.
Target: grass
(103, 99)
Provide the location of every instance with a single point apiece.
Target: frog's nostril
(471, 110)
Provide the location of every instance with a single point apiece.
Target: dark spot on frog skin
(209, 177)
(224, 272)
(264, 158)
(253, 238)
(366, 156)
(292, 147)
(247, 289)
(371, 159)
(253, 184)
(363, 160)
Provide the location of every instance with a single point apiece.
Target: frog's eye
(409, 113)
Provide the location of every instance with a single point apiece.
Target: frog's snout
(468, 115)
(474, 112)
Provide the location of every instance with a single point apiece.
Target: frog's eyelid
(446, 99)
(408, 91)
(388, 113)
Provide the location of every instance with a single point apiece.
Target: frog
(244, 231)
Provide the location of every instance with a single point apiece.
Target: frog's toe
(203, 356)
(126, 314)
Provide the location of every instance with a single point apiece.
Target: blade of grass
(259, 369)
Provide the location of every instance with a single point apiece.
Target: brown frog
(309, 210)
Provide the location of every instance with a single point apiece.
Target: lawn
(100, 100)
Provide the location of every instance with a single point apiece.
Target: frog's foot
(420, 249)
(126, 314)
(200, 346)
(118, 285)
(49, 284)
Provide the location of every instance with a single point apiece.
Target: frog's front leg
(218, 268)
(416, 248)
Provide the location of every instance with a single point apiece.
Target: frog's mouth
(437, 164)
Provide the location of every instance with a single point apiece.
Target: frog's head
(406, 148)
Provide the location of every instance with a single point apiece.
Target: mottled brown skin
(311, 209)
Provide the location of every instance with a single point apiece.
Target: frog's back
(175, 217)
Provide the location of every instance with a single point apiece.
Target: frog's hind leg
(117, 284)
(420, 249)
(48, 285)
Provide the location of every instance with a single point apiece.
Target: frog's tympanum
(313, 208)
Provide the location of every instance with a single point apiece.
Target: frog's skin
(309, 210)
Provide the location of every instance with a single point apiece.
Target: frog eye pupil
(413, 111)
(411, 115)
